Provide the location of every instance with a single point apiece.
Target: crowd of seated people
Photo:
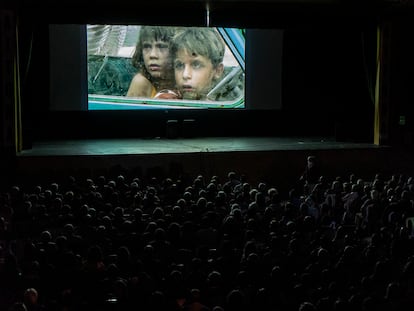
(218, 243)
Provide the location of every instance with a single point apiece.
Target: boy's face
(157, 58)
(194, 74)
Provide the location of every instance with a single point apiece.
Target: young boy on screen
(198, 61)
(153, 59)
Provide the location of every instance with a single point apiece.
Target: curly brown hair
(147, 33)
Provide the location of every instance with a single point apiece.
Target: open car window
(110, 71)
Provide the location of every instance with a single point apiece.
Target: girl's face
(194, 74)
(157, 58)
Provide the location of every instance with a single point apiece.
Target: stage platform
(272, 159)
(102, 147)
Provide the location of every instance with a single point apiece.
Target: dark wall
(329, 77)
(399, 64)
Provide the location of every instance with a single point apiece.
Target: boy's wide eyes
(178, 65)
(195, 65)
(156, 45)
(162, 45)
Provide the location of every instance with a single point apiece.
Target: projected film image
(159, 67)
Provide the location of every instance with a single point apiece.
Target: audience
(114, 243)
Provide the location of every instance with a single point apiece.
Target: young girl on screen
(152, 58)
(198, 61)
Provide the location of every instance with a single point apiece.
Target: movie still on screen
(165, 67)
